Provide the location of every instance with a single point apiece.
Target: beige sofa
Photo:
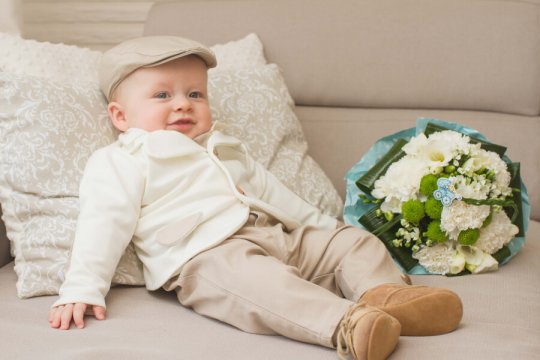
(357, 70)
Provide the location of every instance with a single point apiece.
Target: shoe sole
(383, 337)
(431, 314)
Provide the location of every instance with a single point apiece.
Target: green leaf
(366, 181)
(515, 183)
(463, 272)
(371, 220)
(385, 231)
(502, 254)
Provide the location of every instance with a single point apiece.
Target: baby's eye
(195, 94)
(161, 95)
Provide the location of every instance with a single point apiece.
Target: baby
(210, 223)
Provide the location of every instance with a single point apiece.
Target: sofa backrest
(432, 54)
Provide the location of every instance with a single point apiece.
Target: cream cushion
(48, 131)
(59, 62)
(256, 107)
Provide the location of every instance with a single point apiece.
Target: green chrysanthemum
(428, 184)
(433, 208)
(435, 233)
(469, 236)
(413, 211)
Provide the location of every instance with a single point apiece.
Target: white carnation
(400, 183)
(501, 184)
(436, 259)
(454, 139)
(461, 216)
(497, 234)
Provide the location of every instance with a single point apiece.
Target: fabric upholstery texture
(486, 60)
(143, 325)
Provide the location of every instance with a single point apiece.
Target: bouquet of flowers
(441, 197)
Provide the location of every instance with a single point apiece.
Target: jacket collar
(131, 140)
(203, 138)
(163, 144)
(220, 139)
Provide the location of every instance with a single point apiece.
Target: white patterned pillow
(48, 130)
(242, 53)
(58, 62)
(257, 108)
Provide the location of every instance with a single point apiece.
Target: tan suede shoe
(366, 333)
(421, 310)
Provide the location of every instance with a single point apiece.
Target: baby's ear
(117, 115)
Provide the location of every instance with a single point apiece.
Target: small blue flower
(444, 192)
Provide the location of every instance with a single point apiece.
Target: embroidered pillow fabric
(58, 62)
(236, 54)
(257, 108)
(48, 130)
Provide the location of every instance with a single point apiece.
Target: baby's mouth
(183, 125)
(183, 121)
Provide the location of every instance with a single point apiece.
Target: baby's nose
(182, 103)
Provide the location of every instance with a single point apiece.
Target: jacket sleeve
(272, 191)
(110, 196)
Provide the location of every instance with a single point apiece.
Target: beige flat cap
(120, 61)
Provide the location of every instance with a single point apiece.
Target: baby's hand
(61, 316)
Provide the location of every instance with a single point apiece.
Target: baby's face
(172, 96)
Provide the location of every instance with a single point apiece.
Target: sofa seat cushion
(501, 321)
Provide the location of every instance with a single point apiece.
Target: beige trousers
(300, 284)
